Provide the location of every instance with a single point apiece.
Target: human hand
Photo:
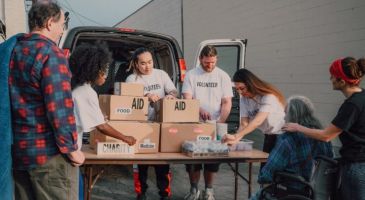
(291, 127)
(169, 96)
(231, 139)
(77, 158)
(106, 118)
(204, 114)
(153, 97)
(129, 140)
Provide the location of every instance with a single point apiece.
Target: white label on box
(114, 148)
(147, 144)
(203, 138)
(123, 111)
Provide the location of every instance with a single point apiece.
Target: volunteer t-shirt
(268, 103)
(87, 111)
(209, 88)
(158, 82)
(351, 119)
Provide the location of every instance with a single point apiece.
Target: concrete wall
(158, 16)
(290, 42)
(12, 13)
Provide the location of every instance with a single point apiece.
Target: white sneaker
(194, 194)
(208, 194)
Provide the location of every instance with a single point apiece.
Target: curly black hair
(87, 61)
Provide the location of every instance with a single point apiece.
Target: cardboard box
(174, 134)
(146, 134)
(129, 89)
(124, 107)
(177, 110)
(109, 148)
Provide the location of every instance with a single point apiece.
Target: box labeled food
(177, 110)
(174, 134)
(128, 89)
(147, 135)
(124, 107)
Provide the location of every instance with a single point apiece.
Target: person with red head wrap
(348, 124)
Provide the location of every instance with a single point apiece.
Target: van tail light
(127, 29)
(66, 52)
(182, 66)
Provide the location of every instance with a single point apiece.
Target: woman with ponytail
(348, 124)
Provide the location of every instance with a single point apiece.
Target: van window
(228, 58)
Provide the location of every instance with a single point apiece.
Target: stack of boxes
(179, 122)
(127, 110)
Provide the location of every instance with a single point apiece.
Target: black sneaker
(141, 197)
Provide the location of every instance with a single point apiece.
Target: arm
(225, 109)
(59, 107)
(169, 87)
(187, 96)
(325, 135)
(203, 114)
(244, 130)
(171, 95)
(106, 129)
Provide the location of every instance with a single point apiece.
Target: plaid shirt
(43, 121)
(290, 154)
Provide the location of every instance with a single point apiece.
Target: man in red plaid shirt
(45, 155)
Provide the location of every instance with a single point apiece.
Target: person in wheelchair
(294, 153)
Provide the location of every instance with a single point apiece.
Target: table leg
(88, 182)
(236, 181)
(249, 179)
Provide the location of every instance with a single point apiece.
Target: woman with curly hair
(89, 67)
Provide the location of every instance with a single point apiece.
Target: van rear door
(231, 57)
(122, 42)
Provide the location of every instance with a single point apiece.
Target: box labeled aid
(177, 110)
(124, 107)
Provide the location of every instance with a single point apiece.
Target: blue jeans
(353, 181)
(81, 186)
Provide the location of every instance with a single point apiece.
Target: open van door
(231, 57)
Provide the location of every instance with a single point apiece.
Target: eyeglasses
(242, 88)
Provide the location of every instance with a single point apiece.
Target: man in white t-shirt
(213, 87)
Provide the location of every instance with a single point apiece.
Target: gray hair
(300, 109)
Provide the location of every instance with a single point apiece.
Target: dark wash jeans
(56, 180)
(353, 181)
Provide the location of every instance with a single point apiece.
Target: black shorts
(214, 167)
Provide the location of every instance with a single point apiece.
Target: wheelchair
(323, 184)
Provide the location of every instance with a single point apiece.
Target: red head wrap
(336, 70)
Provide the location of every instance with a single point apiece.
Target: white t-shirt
(158, 82)
(86, 109)
(268, 103)
(209, 88)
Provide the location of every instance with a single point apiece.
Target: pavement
(117, 181)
